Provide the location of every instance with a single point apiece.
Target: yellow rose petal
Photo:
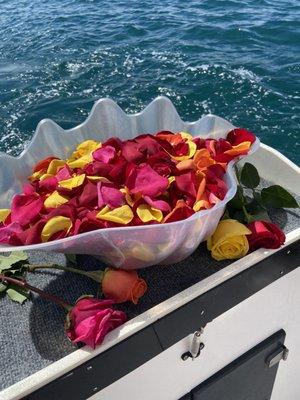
(186, 135)
(83, 149)
(72, 183)
(45, 176)
(35, 176)
(98, 179)
(4, 213)
(121, 215)
(238, 149)
(55, 200)
(80, 162)
(147, 213)
(54, 225)
(128, 197)
(201, 204)
(55, 165)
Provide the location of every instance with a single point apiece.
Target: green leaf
(6, 262)
(261, 215)
(71, 258)
(277, 197)
(17, 294)
(239, 216)
(249, 176)
(3, 287)
(238, 201)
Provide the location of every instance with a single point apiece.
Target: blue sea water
(237, 59)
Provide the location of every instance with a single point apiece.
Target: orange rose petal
(238, 149)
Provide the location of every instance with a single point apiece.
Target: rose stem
(95, 275)
(23, 284)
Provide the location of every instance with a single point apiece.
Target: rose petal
(121, 215)
(43, 165)
(72, 183)
(48, 184)
(239, 135)
(159, 204)
(7, 233)
(25, 208)
(4, 213)
(89, 195)
(146, 181)
(239, 149)
(55, 165)
(54, 225)
(181, 211)
(109, 196)
(104, 154)
(147, 213)
(55, 200)
(187, 183)
(64, 173)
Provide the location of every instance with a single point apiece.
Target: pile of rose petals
(152, 179)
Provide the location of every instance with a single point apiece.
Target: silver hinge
(196, 346)
(280, 354)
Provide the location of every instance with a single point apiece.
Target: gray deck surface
(32, 335)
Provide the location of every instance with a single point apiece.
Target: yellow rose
(229, 240)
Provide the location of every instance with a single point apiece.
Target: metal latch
(196, 346)
(280, 354)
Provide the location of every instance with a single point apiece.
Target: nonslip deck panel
(112, 364)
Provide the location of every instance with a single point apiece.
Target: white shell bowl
(124, 247)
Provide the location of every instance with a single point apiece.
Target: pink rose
(91, 319)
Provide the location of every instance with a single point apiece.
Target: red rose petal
(181, 211)
(89, 195)
(43, 164)
(239, 135)
(187, 183)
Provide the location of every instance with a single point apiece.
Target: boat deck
(32, 335)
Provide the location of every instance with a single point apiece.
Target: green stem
(95, 275)
(247, 216)
(23, 284)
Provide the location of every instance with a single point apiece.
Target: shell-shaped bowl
(125, 247)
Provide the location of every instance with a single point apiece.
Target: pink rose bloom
(91, 319)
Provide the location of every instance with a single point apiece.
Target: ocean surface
(236, 59)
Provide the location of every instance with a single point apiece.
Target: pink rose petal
(159, 204)
(7, 232)
(64, 173)
(109, 196)
(145, 180)
(104, 154)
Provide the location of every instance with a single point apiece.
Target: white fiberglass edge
(78, 357)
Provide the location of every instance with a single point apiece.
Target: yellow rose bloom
(229, 240)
